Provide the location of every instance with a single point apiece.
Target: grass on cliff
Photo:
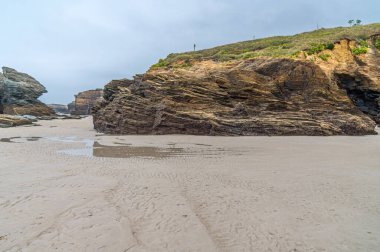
(280, 46)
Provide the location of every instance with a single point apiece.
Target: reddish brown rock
(38, 109)
(85, 101)
(262, 96)
(59, 108)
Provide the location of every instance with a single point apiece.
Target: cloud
(74, 45)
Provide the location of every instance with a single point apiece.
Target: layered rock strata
(12, 121)
(85, 101)
(19, 93)
(261, 96)
(59, 108)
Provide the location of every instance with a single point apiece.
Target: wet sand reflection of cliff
(127, 151)
(188, 150)
(19, 139)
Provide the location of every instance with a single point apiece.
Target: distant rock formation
(7, 121)
(85, 101)
(71, 107)
(59, 108)
(19, 93)
(260, 96)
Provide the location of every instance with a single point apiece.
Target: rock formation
(85, 101)
(303, 95)
(12, 121)
(59, 108)
(71, 107)
(19, 94)
(359, 75)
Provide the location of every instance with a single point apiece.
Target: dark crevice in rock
(368, 101)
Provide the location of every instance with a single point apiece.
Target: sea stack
(85, 101)
(19, 93)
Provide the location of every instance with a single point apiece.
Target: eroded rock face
(262, 96)
(85, 101)
(12, 121)
(59, 108)
(19, 94)
(358, 75)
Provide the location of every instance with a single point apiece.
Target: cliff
(327, 88)
(59, 108)
(85, 101)
(19, 93)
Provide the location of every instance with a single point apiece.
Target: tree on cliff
(355, 22)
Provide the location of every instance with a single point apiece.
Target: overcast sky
(76, 45)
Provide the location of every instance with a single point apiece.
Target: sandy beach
(65, 187)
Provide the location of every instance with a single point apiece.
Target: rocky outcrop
(71, 107)
(261, 96)
(59, 108)
(358, 75)
(12, 121)
(19, 93)
(85, 101)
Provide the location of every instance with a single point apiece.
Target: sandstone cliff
(19, 94)
(59, 108)
(12, 121)
(332, 90)
(85, 101)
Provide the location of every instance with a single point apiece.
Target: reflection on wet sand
(19, 139)
(120, 149)
(32, 139)
(168, 151)
(127, 151)
(8, 139)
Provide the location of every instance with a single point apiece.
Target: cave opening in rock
(368, 101)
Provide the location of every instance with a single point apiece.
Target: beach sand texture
(63, 187)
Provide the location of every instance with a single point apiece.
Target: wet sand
(64, 187)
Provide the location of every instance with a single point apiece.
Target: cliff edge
(325, 82)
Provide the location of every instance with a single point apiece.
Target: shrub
(161, 63)
(316, 48)
(330, 46)
(295, 54)
(248, 55)
(287, 46)
(224, 57)
(223, 52)
(186, 64)
(362, 37)
(363, 43)
(360, 50)
(279, 42)
(324, 57)
(377, 43)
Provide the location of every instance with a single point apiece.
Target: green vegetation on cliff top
(280, 46)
